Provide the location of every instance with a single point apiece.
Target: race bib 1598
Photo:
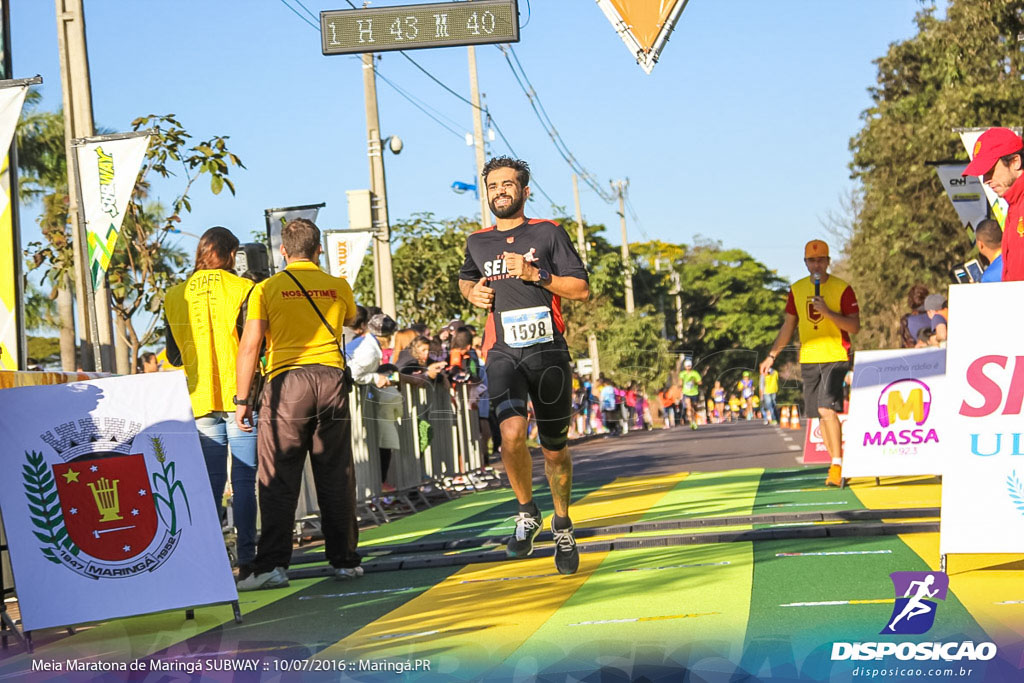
(527, 326)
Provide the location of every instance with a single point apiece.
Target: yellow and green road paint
(767, 608)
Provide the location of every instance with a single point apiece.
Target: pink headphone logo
(892, 406)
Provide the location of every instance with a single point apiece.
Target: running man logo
(916, 592)
(904, 399)
(105, 166)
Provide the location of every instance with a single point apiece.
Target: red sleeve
(790, 304)
(848, 304)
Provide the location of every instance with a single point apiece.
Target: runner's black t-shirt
(546, 245)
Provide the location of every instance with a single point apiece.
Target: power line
(299, 15)
(313, 16)
(548, 125)
(636, 218)
(413, 102)
(451, 91)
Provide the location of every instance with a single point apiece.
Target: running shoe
(567, 555)
(693, 425)
(835, 476)
(520, 543)
(275, 578)
(346, 573)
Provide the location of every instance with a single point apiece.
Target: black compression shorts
(543, 374)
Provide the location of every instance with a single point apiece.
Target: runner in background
(746, 389)
(691, 381)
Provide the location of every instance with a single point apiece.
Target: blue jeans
(218, 432)
(768, 407)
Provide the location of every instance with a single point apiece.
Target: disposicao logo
(916, 592)
(913, 614)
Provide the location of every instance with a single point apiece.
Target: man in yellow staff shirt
(304, 407)
(825, 309)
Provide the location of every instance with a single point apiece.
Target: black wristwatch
(240, 401)
(543, 278)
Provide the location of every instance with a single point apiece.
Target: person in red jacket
(999, 160)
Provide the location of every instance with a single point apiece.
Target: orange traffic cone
(784, 417)
(794, 418)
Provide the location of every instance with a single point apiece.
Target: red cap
(993, 144)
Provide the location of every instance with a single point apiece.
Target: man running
(691, 381)
(916, 606)
(520, 270)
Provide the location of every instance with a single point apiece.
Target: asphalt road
(709, 449)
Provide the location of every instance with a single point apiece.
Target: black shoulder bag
(334, 335)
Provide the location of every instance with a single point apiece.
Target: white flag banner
(345, 252)
(999, 206)
(966, 192)
(892, 429)
(108, 170)
(106, 501)
(983, 483)
(11, 101)
(277, 219)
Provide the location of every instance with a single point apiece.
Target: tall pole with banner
(12, 325)
(106, 168)
(276, 219)
(12, 318)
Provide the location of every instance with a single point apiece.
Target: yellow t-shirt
(203, 313)
(821, 341)
(771, 382)
(295, 334)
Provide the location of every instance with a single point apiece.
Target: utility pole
(677, 291)
(627, 266)
(581, 245)
(94, 314)
(478, 138)
(383, 280)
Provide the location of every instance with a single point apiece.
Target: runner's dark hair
(521, 168)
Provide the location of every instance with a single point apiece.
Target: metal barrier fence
(439, 440)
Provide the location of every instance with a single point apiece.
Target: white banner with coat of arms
(106, 501)
(983, 484)
(892, 429)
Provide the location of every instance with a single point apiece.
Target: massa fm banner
(892, 429)
(106, 501)
(643, 25)
(108, 170)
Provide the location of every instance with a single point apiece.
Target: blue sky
(740, 134)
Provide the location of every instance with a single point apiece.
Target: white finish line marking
(673, 566)
(638, 619)
(832, 603)
(793, 505)
(836, 552)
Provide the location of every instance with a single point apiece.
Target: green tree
(144, 265)
(960, 71)
(426, 262)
